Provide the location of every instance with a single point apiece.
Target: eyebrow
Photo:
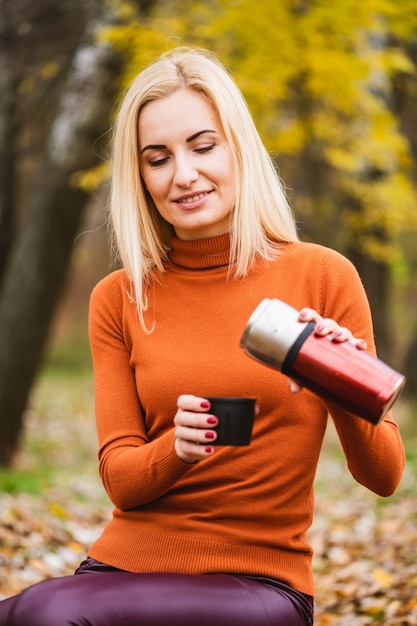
(188, 140)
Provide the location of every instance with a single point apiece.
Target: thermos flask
(351, 378)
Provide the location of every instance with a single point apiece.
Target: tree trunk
(37, 267)
(410, 389)
(376, 278)
(8, 91)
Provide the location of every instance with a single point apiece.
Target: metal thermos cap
(270, 332)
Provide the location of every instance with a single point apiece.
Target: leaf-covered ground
(53, 506)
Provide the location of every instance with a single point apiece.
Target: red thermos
(351, 378)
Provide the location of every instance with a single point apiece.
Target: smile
(190, 199)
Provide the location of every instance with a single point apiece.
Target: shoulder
(329, 282)
(113, 282)
(110, 291)
(307, 252)
(313, 275)
(319, 261)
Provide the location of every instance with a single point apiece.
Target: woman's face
(187, 164)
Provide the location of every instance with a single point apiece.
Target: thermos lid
(271, 331)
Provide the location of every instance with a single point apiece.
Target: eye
(205, 149)
(158, 162)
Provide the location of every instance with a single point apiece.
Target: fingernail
(212, 420)
(209, 435)
(209, 450)
(205, 404)
(319, 328)
(338, 333)
(303, 314)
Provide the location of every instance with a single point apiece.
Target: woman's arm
(375, 454)
(134, 470)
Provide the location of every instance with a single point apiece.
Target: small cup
(235, 417)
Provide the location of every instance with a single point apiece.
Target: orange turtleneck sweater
(242, 510)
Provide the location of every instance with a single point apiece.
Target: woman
(205, 534)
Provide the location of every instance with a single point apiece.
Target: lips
(194, 198)
(193, 201)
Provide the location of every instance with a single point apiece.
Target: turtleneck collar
(200, 254)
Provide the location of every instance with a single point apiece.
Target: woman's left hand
(326, 326)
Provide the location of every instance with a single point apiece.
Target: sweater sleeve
(375, 454)
(133, 470)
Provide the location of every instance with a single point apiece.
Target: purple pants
(117, 598)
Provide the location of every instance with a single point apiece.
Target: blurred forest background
(332, 85)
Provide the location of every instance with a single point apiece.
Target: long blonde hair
(261, 218)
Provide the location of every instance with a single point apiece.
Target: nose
(185, 172)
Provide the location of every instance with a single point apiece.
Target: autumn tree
(60, 89)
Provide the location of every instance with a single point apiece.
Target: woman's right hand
(193, 424)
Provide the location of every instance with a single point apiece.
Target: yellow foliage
(50, 70)
(57, 510)
(124, 9)
(315, 74)
(395, 62)
(382, 577)
(26, 85)
(89, 180)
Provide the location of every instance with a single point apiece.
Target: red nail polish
(212, 420)
(209, 450)
(209, 435)
(204, 404)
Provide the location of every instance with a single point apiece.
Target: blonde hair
(261, 218)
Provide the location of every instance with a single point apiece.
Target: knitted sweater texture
(243, 510)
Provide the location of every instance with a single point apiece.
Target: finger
(195, 435)
(195, 420)
(360, 344)
(295, 386)
(309, 315)
(192, 403)
(191, 452)
(326, 326)
(343, 334)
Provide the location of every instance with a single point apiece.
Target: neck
(200, 253)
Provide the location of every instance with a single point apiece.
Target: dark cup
(235, 417)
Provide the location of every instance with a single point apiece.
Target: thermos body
(339, 372)
(362, 384)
